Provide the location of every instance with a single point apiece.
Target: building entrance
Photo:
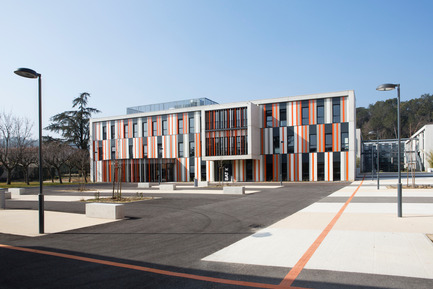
(160, 170)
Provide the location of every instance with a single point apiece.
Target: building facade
(418, 147)
(301, 138)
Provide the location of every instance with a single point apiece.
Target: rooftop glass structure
(170, 105)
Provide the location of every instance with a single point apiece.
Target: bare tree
(81, 160)
(15, 137)
(28, 157)
(70, 162)
(56, 153)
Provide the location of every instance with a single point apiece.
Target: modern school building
(299, 138)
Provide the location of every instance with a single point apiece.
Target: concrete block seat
(144, 185)
(105, 211)
(202, 184)
(167, 187)
(16, 191)
(7, 194)
(234, 190)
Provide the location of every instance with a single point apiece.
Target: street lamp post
(281, 167)
(29, 73)
(372, 155)
(377, 159)
(387, 87)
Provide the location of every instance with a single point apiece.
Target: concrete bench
(16, 191)
(144, 185)
(2, 199)
(105, 211)
(203, 184)
(6, 194)
(167, 187)
(234, 190)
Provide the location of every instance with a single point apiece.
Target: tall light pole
(29, 73)
(377, 156)
(387, 87)
(372, 155)
(377, 159)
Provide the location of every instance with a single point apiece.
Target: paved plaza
(304, 235)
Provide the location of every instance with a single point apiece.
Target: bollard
(2, 199)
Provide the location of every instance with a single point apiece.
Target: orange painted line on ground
(145, 269)
(299, 266)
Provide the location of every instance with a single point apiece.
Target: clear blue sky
(129, 53)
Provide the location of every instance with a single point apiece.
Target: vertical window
(269, 168)
(320, 111)
(238, 146)
(276, 140)
(113, 152)
(344, 136)
(305, 166)
(269, 115)
(131, 151)
(144, 128)
(191, 124)
(180, 149)
(313, 139)
(337, 166)
(328, 137)
(305, 113)
(104, 132)
(244, 145)
(154, 128)
(125, 131)
(100, 152)
(113, 131)
(160, 150)
(191, 170)
(145, 150)
(164, 127)
(191, 149)
(283, 115)
(134, 130)
(336, 109)
(290, 140)
(320, 166)
(180, 126)
(217, 146)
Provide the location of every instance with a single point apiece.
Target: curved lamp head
(386, 87)
(27, 72)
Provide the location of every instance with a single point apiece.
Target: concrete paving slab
(386, 253)
(268, 247)
(385, 223)
(26, 222)
(367, 238)
(385, 193)
(302, 221)
(371, 208)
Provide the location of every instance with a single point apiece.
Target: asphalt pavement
(200, 239)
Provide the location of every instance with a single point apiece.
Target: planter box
(167, 187)
(144, 185)
(105, 211)
(234, 190)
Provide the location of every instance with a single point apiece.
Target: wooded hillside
(382, 117)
